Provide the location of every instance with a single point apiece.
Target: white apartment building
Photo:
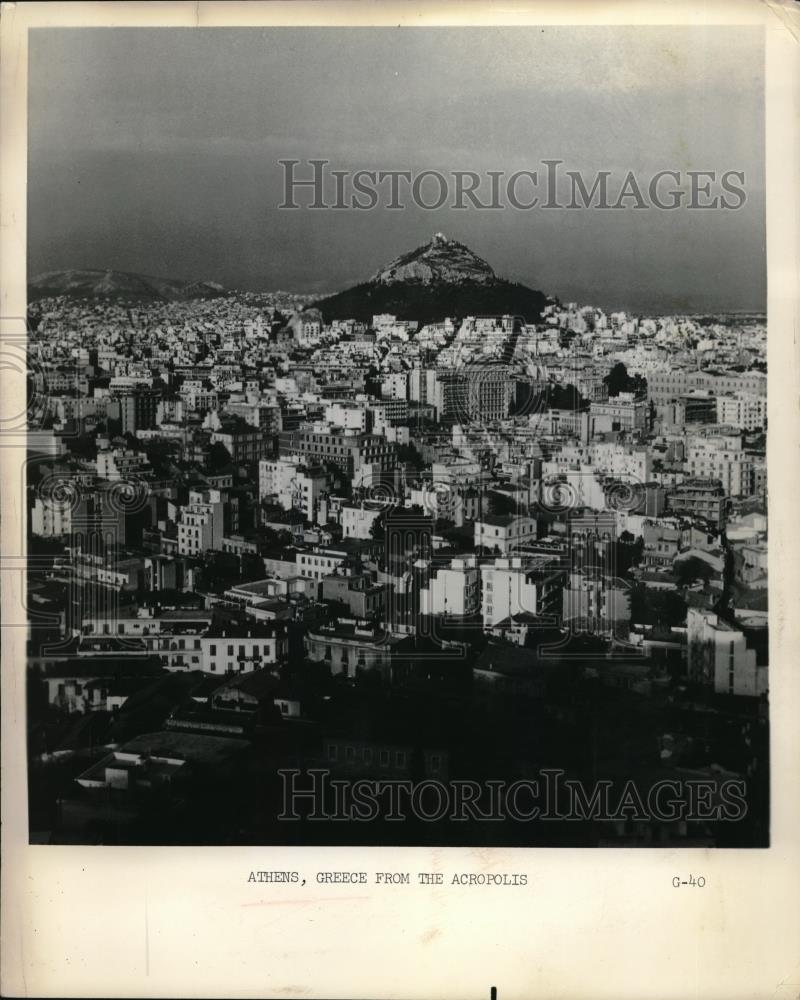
(357, 519)
(634, 464)
(200, 523)
(51, 518)
(517, 586)
(291, 484)
(456, 503)
(602, 605)
(242, 649)
(395, 386)
(121, 463)
(304, 493)
(625, 412)
(263, 414)
(580, 486)
(721, 457)
(319, 563)
(422, 385)
(718, 655)
(453, 589)
(349, 416)
(747, 411)
(504, 533)
(276, 474)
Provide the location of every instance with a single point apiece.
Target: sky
(157, 151)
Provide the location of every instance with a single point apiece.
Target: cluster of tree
(408, 453)
(218, 457)
(377, 529)
(161, 454)
(691, 570)
(274, 539)
(618, 380)
(221, 570)
(431, 303)
(661, 608)
(552, 397)
(628, 552)
(501, 504)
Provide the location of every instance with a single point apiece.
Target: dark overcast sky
(156, 151)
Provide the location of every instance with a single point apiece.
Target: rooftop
(237, 630)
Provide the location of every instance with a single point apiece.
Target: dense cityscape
(264, 537)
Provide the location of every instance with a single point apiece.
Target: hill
(438, 279)
(95, 284)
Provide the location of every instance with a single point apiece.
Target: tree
(690, 570)
(218, 457)
(252, 567)
(628, 552)
(558, 397)
(408, 453)
(220, 571)
(663, 608)
(618, 380)
(160, 454)
(377, 529)
(84, 446)
(501, 504)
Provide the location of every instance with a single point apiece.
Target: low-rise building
(233, 648)
(504, 532)
(352, 647)
(625, 412)
(363, 599)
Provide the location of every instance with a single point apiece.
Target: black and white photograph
(397, 419)
(396, 601)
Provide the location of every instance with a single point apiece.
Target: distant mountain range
(440, 278)
(92, 284)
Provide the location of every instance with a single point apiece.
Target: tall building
(51, 517)
(721, 456)
(292, 484)
(453, 589)
(395, 386)
(718, 656)
(747, 411)
(200, 523)
(422, 385)
(275, 474)
(474, 394)
(701, 498)
(266, 416)
(599, 604)
(243, 442)
(519, 586)
(139, 410)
